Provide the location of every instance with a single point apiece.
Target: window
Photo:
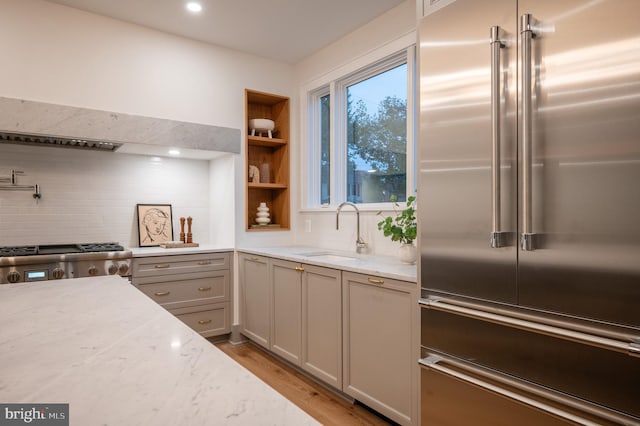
(360, 129)
(325, 150)
(377, 137)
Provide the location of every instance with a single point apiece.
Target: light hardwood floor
(319, 402)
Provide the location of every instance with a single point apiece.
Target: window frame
(335, 84)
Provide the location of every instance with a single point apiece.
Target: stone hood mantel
(44, 119)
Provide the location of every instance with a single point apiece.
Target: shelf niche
(273, 151)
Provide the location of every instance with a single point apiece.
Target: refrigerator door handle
(526, 35)
(553, 328)
(509, 387)
(497, 237)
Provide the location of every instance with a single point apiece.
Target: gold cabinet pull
(299, 268)
(162, 293)
(204, 262)
(204, 288)
(253, 259)
(375, 281)
(202, 322)
(162, 266)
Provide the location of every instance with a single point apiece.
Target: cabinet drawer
(189, 290)
(179, 264)
(208, 320)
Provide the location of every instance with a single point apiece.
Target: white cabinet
(322, 324)
(307, 318)
(295, 310)
(379, 344)
(355, 332)
(193, 287)
(286, 303)
(255, 297)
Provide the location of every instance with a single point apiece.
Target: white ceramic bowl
(263, 124)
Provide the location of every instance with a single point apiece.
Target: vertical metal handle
(526, 35)
(497, 237)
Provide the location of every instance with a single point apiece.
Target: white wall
(389, 29)
(52, 53)
(56, 54)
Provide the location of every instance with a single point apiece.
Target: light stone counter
(159, 251)
(382, 266)
(118, 358)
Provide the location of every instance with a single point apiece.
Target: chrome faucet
(360, 244)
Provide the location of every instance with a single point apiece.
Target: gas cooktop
(59, 249)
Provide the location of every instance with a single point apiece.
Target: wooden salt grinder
(189, 237)
(182, 230)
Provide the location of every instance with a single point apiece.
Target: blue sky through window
(373, 90)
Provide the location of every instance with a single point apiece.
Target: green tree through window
(377, 140)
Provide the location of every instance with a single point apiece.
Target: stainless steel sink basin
(328, 256)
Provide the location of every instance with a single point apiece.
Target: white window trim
(314, 148)
(310, 149)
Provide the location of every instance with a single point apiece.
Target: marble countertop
(118, 358)
(382, 266)
(159, 251)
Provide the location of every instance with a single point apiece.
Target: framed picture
(155, 224)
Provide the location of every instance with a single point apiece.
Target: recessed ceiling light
(194, 7)
(174, 152)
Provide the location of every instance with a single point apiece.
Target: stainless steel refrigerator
(529, 212)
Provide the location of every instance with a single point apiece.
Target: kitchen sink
(329, 256)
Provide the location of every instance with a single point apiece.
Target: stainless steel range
(54, 262)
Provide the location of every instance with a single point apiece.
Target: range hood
(27, 122)
(43, 140)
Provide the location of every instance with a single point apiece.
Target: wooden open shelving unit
(273, 151)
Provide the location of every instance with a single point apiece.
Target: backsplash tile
(92, 196)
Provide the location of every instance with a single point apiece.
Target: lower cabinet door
(378, 348)
(255, 298)
(286, 332)
(322, 324)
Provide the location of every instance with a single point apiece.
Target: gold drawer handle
(253, 259)
(376, 281)
(204, 288)
(299, 268)
(162, 266)
(202, 322)
(204, 262)
(163, 293)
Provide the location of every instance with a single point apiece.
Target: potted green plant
(402, 227)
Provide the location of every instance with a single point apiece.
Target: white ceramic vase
(408, 253)
(263, 214)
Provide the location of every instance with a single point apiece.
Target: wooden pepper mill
(189, 237)
(182, 230)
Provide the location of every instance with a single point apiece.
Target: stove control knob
(13, 276)
(123, 268)
(93, 271)
(57, 273)
(113, 268)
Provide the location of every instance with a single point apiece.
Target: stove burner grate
(59, 249)
(18, 251)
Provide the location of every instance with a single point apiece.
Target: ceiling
(283, 30)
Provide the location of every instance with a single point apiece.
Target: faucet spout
(360, 244)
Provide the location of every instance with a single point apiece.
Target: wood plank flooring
(319, 402)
